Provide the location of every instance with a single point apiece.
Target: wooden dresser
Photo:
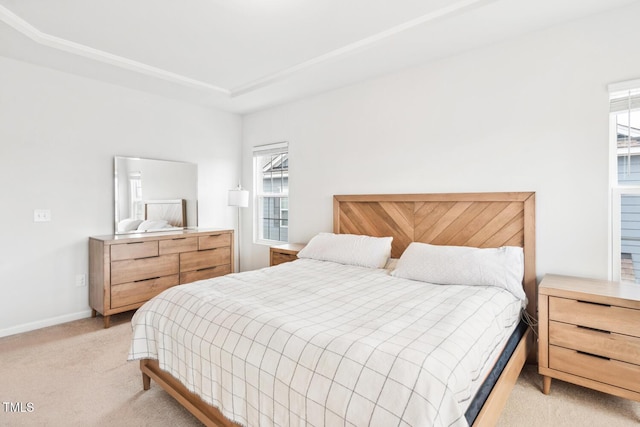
(284, 253)
(127, 270)
(590, 334)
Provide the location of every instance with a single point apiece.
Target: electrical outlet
(41, 215)
(81, 280)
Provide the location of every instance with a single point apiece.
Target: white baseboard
(26, 327)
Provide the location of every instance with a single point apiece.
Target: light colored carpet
(567, 405)
(76, 374)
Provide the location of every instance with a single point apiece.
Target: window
(625, 181)
(271, 175)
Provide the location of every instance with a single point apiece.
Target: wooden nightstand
(284, 253)
(590, 334)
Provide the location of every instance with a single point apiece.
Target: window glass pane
(630, 238)
(266, 182)
(274, 173)
(272, 176)
(274, 219)
(284, 212)
(628, 147)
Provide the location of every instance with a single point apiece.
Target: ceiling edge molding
(61, 44)
(58, 43)
(354, 47)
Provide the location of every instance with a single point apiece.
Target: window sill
(269, 242)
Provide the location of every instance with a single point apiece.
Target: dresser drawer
(613, 372)
(616, 346)
(182, 244)
(598, 316)
(140, 291)
(134, 250)
(144, 268)
(212, 241)
(205, 273)
(190, 261)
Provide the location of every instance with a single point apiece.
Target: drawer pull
(208, 268)
(215, 235)
(180, 238)
(134, 243)
(594, 329)
(594, 303)
(212, 250)
(145, 280)
(592, 355)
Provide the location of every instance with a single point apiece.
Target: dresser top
(602, 291)
(157, 235)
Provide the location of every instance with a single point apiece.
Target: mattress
(320, 343)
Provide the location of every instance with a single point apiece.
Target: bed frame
(482, 220)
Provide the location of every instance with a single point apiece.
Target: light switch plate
(41, 215)
(81, 280)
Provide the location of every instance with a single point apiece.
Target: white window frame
(615, 256)
(283, 210)
(617, 190)
(259, 195)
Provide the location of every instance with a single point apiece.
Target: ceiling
(245, 55)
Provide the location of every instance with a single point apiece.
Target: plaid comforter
(322, 344)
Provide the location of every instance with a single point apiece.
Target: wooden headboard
(483, 220)
(172, 211)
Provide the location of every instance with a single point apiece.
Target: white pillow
(153, 224)
(351, 249)
(460, 265)
(129, 224)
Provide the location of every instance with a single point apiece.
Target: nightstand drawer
(279, 258)
(598, 316)
(613, 372)
(287, 252)
(616, 346)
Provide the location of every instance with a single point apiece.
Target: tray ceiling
(244, 55)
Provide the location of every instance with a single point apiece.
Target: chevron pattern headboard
(484, 220)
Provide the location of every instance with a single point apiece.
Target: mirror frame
(172, 189)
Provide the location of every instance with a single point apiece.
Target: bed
(474, 220)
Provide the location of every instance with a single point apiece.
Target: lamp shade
(238, 197)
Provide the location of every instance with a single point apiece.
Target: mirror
(154, 195)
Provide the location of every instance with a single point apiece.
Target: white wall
(58, 136)
(529, 114)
